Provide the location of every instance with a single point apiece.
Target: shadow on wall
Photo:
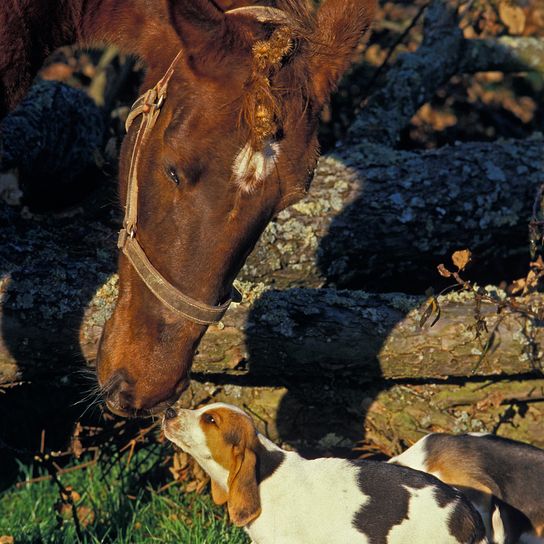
(312, 368)
(51, 266)
(413, 209)
(322, 346)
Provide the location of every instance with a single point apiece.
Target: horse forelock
(266, 101)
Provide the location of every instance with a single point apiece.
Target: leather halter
(149, 106)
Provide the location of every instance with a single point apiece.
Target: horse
(222, 139)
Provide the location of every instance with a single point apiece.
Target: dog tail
(498, 528)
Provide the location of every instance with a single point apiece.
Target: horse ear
(199, 24)
(244, 503)
(340, 25)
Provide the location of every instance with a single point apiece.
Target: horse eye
(173, 175)
(208, 418)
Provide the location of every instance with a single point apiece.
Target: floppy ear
(340, 25)
(244, 503)
(219, 495)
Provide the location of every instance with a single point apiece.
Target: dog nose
(170, 413)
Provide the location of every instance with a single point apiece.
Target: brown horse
(239, 96)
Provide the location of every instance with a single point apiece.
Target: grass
(117, 502)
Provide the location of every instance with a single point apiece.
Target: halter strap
(149, 106)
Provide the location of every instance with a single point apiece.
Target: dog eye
(208, 418)
(172, 174)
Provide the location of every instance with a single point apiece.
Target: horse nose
(120, 398)
(170, 413)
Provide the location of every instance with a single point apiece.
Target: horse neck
(31, 29)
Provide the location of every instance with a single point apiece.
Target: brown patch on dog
(449, 464)
(232, 440)
(450, 467)
(219, 495)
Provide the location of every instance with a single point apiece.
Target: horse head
(231, 140)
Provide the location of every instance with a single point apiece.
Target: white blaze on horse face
(250, 167)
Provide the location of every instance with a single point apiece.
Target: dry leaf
(443, 271)
(77, 446)
(532, 279)
(461, 259)
(517, 286)
(433, 307)
(85, 515)
(512, 16)
(70, 494)
(6, 539)
(538, 264)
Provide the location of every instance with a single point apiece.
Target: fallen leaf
(493, 400)
(443, 271)
(77, 446)
(517, 286)
(461, 259)
(539, 263)
(69, 493)
(432, 307)
(85, 515)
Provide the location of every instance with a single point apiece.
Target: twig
(392, 49)
(131, 451)
(48, 477)
(166, 486)
(65, 494)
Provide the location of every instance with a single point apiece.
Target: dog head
(223, 440)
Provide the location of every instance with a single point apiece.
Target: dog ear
(244, 503)
(219, 495)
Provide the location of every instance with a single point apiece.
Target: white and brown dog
(503, 479)
(281, 498)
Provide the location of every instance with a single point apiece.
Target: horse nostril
(125, 400)
(170, 413)
(120, 397)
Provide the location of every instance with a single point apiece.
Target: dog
(503, 479)
(281, 498)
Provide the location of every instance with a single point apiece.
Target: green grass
(123, 504)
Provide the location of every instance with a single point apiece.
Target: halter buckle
(160, 101)
(153, 100)
(124, 234)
